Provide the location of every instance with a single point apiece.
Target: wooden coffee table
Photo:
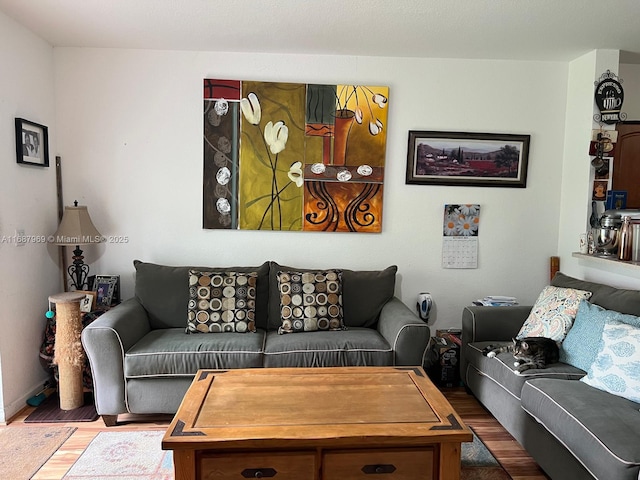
(316, 424)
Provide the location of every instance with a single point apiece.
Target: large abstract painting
(295, 157)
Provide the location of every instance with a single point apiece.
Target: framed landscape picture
(467, 159)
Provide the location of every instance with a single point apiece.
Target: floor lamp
(76, 228)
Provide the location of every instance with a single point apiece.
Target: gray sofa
(142, 360)
(573, 430)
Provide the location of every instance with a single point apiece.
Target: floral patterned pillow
(553, 313)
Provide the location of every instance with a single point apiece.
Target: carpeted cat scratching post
(69, 355)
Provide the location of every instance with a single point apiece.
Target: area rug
(25, 449)
(479, 464)
(49, 411)
(138, 456)
(124, 455)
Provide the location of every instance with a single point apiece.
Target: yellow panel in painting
(313, 150)
(268, 198)
(367, 108)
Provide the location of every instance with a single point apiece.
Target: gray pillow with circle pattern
(221, 302)
(310, 301)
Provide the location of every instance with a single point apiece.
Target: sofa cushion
(169, 352)
(501, 370)
(611, 298)
(310, 301)
(364, 293)
(163, 291)
(616, 369)
(553, 313)
(356, 346)
(221, 302)
(606, 443)
(580, 346)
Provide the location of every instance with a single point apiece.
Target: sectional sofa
(573, 429)
(145, 352)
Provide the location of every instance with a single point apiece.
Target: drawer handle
(378, 469)
(258, 473)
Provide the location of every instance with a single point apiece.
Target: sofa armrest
(481, 324)
(405, 332)
(105, 342)
(484, 324)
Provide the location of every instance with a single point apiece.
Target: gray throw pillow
(611, 298)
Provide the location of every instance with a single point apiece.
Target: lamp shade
(76, 228)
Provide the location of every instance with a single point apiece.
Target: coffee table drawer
(400, 464)
(240, 466)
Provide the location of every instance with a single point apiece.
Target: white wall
(129, 130)
(29, 273)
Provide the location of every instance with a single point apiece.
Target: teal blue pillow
(581, 345)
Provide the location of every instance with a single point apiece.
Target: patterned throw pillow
(221, 302)
(580, 346)
(553, 313)
(310, 301)
(617, 366)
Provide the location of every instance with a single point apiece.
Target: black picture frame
(32, 143)
(467, 159)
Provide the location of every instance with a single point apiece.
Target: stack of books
(496, 301)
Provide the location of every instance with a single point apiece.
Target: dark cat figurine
(530, 352)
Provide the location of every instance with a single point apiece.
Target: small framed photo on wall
(32, 143)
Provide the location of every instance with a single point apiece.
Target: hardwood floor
(508, 452)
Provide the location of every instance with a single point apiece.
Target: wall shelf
(607, 261)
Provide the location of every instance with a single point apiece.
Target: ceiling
(556, 30)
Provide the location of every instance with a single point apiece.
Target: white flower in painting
(276, 136)
(251, 110)
(359, 115)
(375, 127)
(223, 176)
(365, 170)
(465, 226)
(295, 174)
(223, 206)
(450, 223)
(469, 209)
(344, 175)
(380, 100)
(221, 107)
(318, 168)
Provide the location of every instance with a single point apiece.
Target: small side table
(69, 355)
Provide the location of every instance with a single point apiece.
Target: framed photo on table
(105, 287)
(32, 143)
(88, 303)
